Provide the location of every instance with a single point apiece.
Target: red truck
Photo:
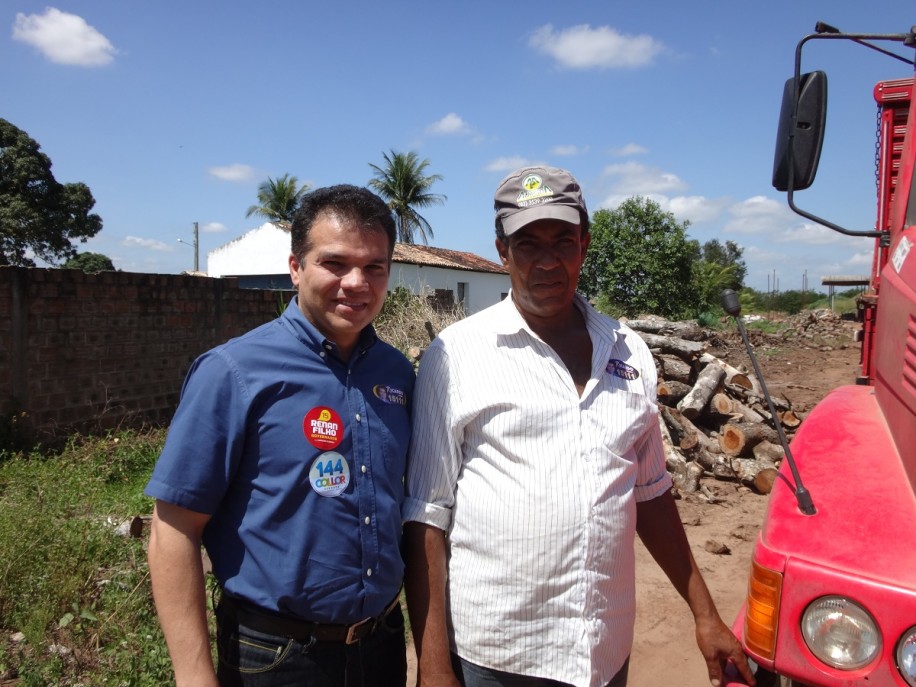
(832, 588)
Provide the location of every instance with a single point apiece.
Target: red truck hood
(866, 510)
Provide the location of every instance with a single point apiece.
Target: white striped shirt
(537, 489)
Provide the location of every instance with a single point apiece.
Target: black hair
(345, 202)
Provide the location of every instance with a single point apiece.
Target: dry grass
(409, 322)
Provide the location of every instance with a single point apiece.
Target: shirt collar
(509, 320)
(309, 335)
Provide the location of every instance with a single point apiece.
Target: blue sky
(173, 112)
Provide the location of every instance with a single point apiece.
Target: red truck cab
(832, 595)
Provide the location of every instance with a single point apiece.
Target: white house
(259, 260)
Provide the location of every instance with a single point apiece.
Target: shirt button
(367, 521)
(321, 354)
(359, 417)
(363, 468)
(369, 572)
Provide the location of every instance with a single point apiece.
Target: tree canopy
(39, 216)
(279, 199)
(640, 261)
(89, 262)
(403, 182)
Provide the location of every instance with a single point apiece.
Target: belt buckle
(354, 629)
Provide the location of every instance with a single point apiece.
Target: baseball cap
(534, 193)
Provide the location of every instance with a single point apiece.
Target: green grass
(78, 591)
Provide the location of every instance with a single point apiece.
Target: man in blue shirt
(285, 458)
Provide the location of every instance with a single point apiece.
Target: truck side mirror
(801, 132)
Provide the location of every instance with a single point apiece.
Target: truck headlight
(906, 656)
(841, 633)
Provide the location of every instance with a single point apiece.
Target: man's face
(544, 259)
(343, 278)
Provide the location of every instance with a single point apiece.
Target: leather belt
(258, 619)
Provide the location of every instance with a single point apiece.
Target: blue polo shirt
(299, 458)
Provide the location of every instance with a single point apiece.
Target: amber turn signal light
(762, 614)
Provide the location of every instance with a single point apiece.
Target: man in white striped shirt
(536, 457)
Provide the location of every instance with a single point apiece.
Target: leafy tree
(728, 255)
(89, 262)
(279, 199)
(710, 279)
(403, 182)
(37, 213)
(640, 261)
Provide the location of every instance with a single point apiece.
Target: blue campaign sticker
(390, 395)
(618, 368)
(329, 474)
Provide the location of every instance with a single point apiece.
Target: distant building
(259, 260)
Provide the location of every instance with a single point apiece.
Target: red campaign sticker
(323, 428)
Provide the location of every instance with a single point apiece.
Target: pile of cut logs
(714, 417)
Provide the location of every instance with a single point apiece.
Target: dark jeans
(472, 675)
(248, 658)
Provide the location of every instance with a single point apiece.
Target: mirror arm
(790, 151)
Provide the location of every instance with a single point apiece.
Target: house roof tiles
(443, 257)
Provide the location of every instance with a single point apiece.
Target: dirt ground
(800, 369)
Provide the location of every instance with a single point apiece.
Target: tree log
(789, 419)
(673, 368)
(746, 413)
(684, 433)
(688, 350)
(657, 325)
(670, 392)
(675, 462)
(707, 384)
(756, 474)
(721, 404)
(692, 482)
(768, 451)
(739, 438)
(733, 375)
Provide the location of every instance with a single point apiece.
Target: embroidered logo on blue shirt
(390, 395)
(618, 368)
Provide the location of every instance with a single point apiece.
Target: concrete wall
(482, 289)
(94, 352)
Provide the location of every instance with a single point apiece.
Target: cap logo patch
(535, 190)
(618, 368)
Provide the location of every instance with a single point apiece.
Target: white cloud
(508, 164)
(635, 179)
(568, 150)
(213, 227)
(758, 215)
(450, 125)
(602, 47)
(696, 209)
(863, 258)
(64, 38)
(629, 149)
(152, 244)
(234, 172)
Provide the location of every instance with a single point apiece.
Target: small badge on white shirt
(329, 474)
(618, 368)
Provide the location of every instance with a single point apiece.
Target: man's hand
(718, 646)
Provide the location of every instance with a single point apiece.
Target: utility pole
(196, 247)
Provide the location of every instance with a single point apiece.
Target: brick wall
(91, 352)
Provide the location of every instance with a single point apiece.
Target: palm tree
(279, 199)
(404, 185)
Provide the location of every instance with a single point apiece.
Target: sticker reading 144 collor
(329, 474)
(323, 428)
